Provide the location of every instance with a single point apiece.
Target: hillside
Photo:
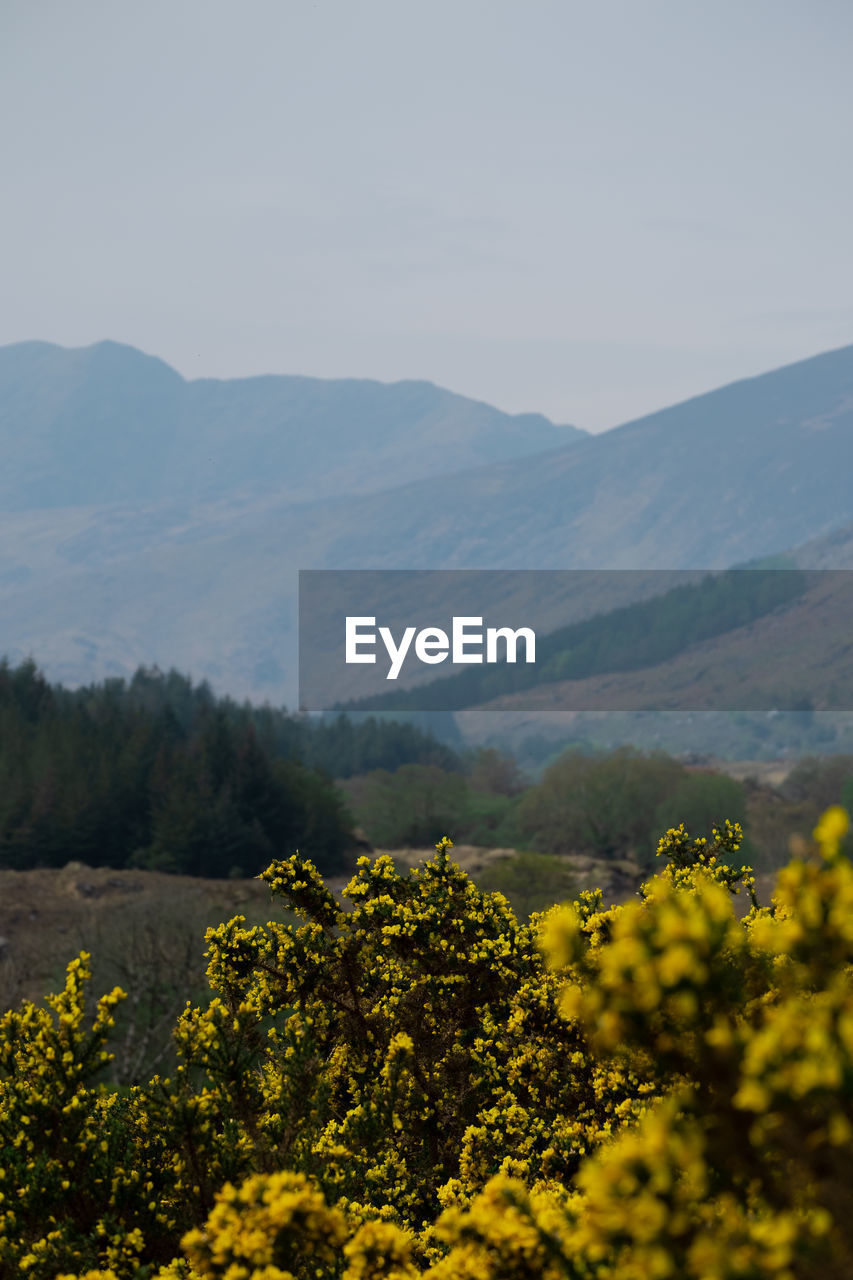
(738, 663)
(747, 471)
(205, 579)
(796, 657)
(654, 632)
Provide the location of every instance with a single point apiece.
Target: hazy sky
(591, 210)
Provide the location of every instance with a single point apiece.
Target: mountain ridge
(77, 422)
(206, 581)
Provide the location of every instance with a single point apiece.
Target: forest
(160, 774)
(156, 772)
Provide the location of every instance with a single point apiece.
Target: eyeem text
(466, 643)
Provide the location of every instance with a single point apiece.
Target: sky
(591, 210)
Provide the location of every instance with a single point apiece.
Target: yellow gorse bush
(422, 1086)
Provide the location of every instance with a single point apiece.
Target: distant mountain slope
(798, 656)
(208, 582)
(645, 635)
(78, 427)
(747, 471)
(833, 550)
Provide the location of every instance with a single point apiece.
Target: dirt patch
(48, 916)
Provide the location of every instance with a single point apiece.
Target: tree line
(606, 805)
(157, 772)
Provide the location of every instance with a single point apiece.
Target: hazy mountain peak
(78, 425)
(105, 358)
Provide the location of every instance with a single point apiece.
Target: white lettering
(397, 655)
(511, 638)
(461, 638)
(432, 645)
(354, 639)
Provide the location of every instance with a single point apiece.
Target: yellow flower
(831, 829)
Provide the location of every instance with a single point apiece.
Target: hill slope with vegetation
(634, 637)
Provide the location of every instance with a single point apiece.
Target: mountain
(833, 550)
(741, 640)
(168, 563)
(107, 423)
(778, 684)
(747, 471)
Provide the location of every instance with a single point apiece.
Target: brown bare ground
(48, 916)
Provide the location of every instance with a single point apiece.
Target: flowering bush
(422, 1086)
